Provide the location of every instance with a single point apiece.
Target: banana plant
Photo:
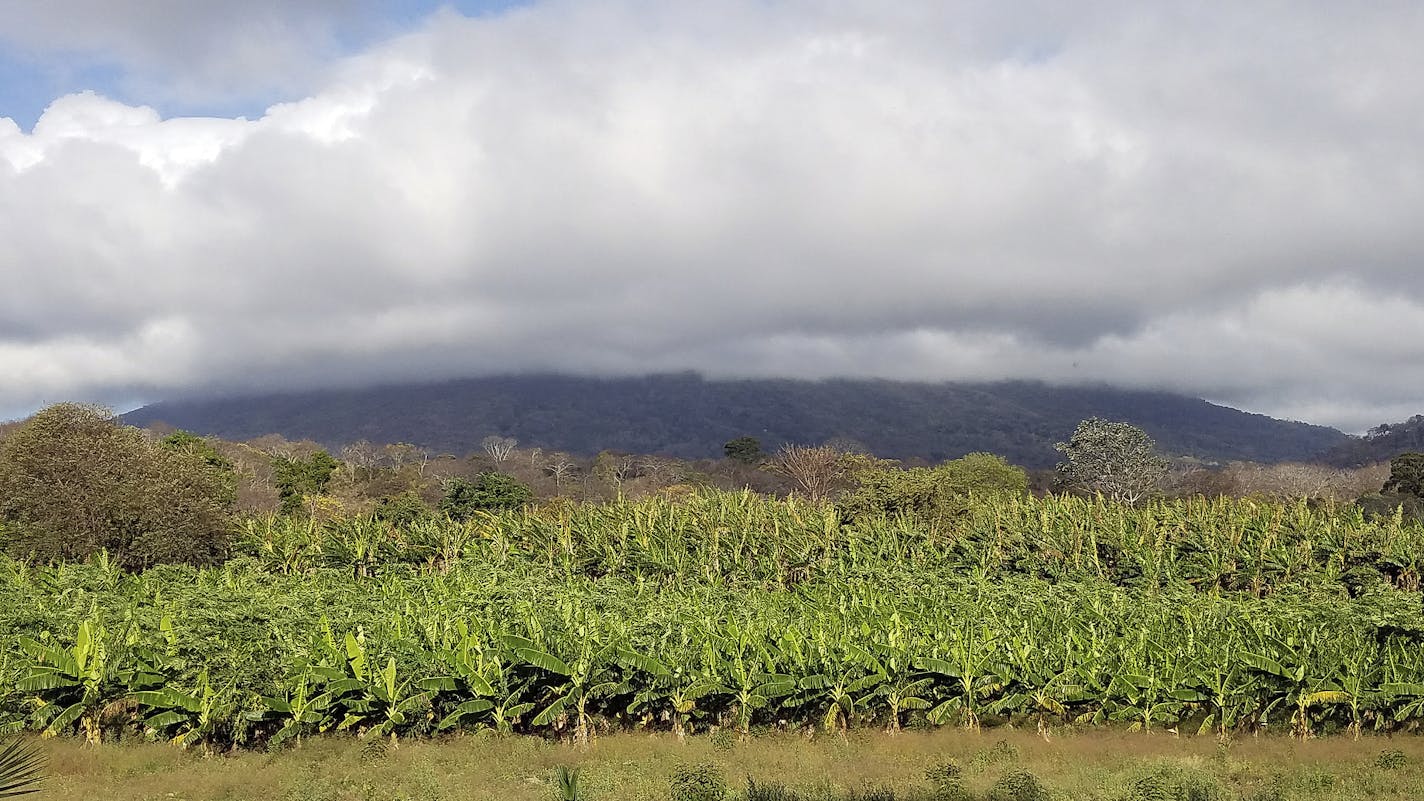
(470, 672)
(1152, 684)
(893, 681)
(70, 685)
(747, 668)
(313, 696)
(1230, 690)
(359, 543)
(676, 690)
(186, 718)
(593, 674)
(838, 680)
(304, 706)
(969, 666)
(901, 687)
(1038, 685)
(1294, 686)
(375, 698)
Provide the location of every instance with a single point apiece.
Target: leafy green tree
(298, 478)
(932, 492)
(1406, 475)
(198, 447)
(1403, 491)
(74, 481)
(488, 492)
(1118, 460)
(746, 450)
(190, 443)
(403, 509)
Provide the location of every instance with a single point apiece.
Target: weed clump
(770, 792)
(700, 782)
(947, 781)
(1002, 752)
(1172, 782)
(1391, 759)
(374, 750)
(1018, 786)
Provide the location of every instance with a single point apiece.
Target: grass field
(1096, 764)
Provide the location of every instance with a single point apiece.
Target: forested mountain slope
(1380, 444)
(687, 416)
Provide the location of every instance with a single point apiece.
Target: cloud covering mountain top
(1223, 201)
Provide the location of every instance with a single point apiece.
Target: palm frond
(21, 769)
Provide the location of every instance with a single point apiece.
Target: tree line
(74, 480)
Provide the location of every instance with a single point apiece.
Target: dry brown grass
(1090, 765)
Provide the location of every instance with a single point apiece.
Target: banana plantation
(735, 612)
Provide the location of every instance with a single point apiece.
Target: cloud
(1221, 202)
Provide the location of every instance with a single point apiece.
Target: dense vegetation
(736, 611)
(1381, 443)
(168, 587)
(691, 418)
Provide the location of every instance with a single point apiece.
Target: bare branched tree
(275, 446)
(662, 471)
(403, 453)
(813, 470)
(614, 468)
(499, 448)
(1292, 480)
(560, 466)
(361, 457)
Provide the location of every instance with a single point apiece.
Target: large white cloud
(1219, 201)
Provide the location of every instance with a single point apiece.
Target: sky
(1221, 199)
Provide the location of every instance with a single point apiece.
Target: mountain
(688, 416)
(1379, 444)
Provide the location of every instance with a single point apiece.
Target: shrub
(1391, 759)
(947, 781)
(1018, 786)
(488, 492)
(700, 782)
(933, 493)
(298, 478)
(1173, 782)
(1001, 752)
(744, 449)
(403, 509)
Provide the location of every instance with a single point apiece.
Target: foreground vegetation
(1096, 765)
(141, 604)
(734, 613)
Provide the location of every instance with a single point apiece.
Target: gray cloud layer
(189, 51)
(1224, 201)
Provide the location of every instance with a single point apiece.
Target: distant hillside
(687, 416)
(1380, 444)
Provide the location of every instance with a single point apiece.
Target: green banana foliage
(734, 611)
